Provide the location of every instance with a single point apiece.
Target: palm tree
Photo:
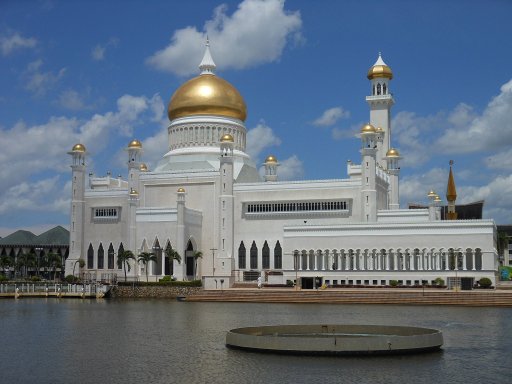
(81, 264)
(172, 255)
(146, 258)
(197, 255)
(26, 261)
(123, 261)
(54, 262)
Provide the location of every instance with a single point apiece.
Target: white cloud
(260, 138)
(414, 188)
(489, 131)
(256, 33)
(98, 52)
(501, 160)
(331, 117)
(39, 82)
(349, 133)
(15, 41)
(290, 169)
(72, 100)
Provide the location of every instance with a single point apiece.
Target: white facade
(206, 195)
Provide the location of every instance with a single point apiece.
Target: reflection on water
(160, 341)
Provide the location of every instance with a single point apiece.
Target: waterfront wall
(157, 292)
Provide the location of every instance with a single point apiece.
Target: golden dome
(227, 137)
(437, 199)
(135, 144)
(392, 153)
(181, 190)
(143, 167)
(271, 159)
(380, 69)
(379, 130)
(368, 128)
(207, 94)
(78, 148)
(133, 192)
(432, 194)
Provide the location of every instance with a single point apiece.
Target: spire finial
(207, 65)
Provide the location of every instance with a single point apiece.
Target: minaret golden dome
(78, 148)
(271, 159)
(135, 144)
(392, 153)
(227, 137)
(207, 94)
(380, 69)
(368, 128)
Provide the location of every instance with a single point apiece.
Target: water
(162, 341)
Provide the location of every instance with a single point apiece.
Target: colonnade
(205, 135)
(389, 259)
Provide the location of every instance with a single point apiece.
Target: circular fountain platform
(335, 339)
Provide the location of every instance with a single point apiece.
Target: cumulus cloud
(346, 133)
(39, 82)
(14, 42)
(489, 131)
(291, 169)
(98, 52)
(260, 138)
(256, 33)
(414, 188)
(331, 117)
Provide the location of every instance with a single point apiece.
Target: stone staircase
(487, 298)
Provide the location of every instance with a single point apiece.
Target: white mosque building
(206, 195)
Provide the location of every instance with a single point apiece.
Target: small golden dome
(135, 144)
(207, 94)
(143, 167)
(392, 153)
(432, 194)
(181, 190)
(380, 69)
(368, 128)
(271, 159)
(437, 199)
(227, 137)
(78, 148)
(379, 130)
(133, 192)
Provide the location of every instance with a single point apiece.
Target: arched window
(90, 257)
(378, 89)
(265, 253)
(119, 251)
(254, 256)
(241, 256)
(101, 257)
(384, 89)
(278, 256)
(111, 256)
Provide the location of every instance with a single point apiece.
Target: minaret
(76, 230)
(451, 195)
(380, 102)
(271, 165)
(134, 153)
(392, 157)
(368, 174)
(224, 264)
(179, 268)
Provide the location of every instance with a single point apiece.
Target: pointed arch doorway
(189, 260)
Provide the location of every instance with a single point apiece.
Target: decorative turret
(451, 195)
(368, 174)
(392, 157)
(271, 165)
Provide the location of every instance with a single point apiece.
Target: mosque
(206, 195)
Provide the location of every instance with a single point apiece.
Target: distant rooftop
(55, 236)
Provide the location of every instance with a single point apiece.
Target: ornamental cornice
(300, 184)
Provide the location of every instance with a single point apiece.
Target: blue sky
(102, 73)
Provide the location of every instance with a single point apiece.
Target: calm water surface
(160, 341)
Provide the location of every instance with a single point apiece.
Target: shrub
(3, 278)
(35, 278)
(165, 279)
(485, 282)
(393, 283)
(439, 281)
(71, 279)
(289, 283)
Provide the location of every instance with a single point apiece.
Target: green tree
(54, 262)
(197, 255)
(123, 261)
(26, 261)
(172, 254)
(6, 262)
(146, 258)
(502, 244)
(81, 264)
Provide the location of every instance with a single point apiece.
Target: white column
(447, 265)
(473, 256)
